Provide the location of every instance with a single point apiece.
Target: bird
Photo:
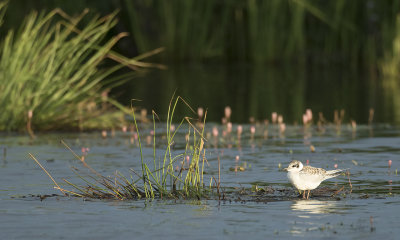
(307, 178)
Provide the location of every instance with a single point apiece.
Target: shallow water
(367, 210)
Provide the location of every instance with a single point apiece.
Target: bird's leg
(304, 194)
(308, 194)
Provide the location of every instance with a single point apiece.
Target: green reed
(355, 32)
(161, 180)
(52, 72)
(264, 31)
(389, 67)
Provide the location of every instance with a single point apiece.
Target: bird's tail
(334, 173)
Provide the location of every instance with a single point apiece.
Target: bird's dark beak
(285, 169)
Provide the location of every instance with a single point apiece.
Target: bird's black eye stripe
(295, 165)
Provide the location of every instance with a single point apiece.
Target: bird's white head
(294, 166)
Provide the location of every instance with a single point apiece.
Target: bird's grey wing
(312, 174)
(313, 171)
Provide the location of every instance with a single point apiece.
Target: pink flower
(280, 119)
(309, 114)
(282, 127)
(229, 127)
(200, 112)
(239, 129)
(104, 133)
(252, 130)
(228, 112)
(124, 128)
(274, 117)
(215, 131)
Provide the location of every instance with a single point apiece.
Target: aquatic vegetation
(53, 73)
(252, 30)
(162, 180)
(354, 33)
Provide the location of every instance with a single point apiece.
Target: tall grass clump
(53, 73)
(165, 176)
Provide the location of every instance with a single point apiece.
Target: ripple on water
(275, 211)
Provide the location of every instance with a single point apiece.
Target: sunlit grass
(160, 177)
(53, 73)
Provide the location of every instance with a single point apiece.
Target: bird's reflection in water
(314, 207)
(309, 210)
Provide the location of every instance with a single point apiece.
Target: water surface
(367, 210)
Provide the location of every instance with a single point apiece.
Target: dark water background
(257, 91)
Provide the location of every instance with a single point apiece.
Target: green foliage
(391, 64)
(162, 180)
(52, 73)
(263, 31)
(356, 33)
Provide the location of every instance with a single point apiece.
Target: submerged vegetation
(52, 72)
(174, 174)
